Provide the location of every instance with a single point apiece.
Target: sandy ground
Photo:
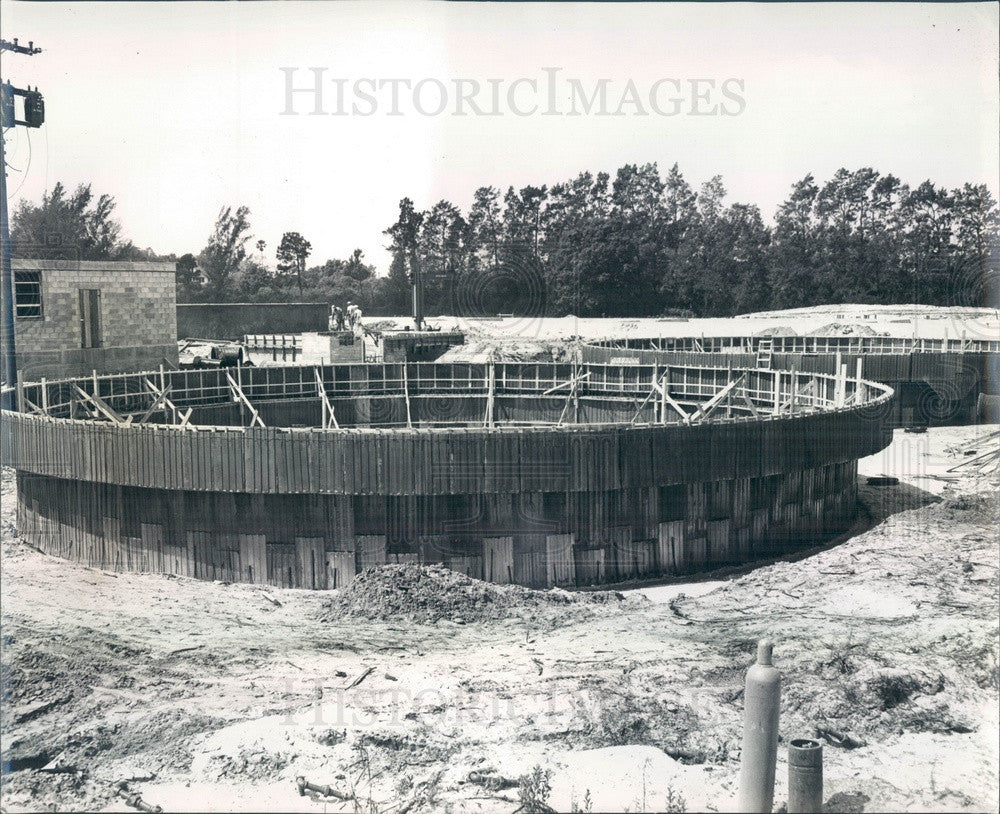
(207, 696)
(925, 322)
(534, 338)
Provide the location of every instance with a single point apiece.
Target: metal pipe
(134, 800)
(324, 791)
(805, 776)
(762, 700)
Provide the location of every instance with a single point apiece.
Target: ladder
(764, 352)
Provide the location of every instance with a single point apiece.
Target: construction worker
(338, 318)
(357, 318)
(350, 315)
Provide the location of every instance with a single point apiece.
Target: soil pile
(511, 350)
(845, 329)
(427, 593)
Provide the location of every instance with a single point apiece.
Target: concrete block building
(75, 316)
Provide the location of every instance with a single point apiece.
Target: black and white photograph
(499, 407)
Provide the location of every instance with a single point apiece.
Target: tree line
(639, 244)
(646, 244)
(233, 266)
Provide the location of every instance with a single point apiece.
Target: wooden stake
(238, 392)
(329, 417)
(406, 394)
(705, 410)
(806, 389)
(490, 393)
(174, 413)
(32, 406)
(568, 383)
(103, 407)
(158, 401)
(576, 398)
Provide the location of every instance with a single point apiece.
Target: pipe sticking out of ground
(805, 776)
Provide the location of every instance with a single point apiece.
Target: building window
(28, 294)
(90, 318)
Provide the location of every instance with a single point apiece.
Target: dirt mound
(511, 350)
(431, 592)
(777, 330)
(845, 329)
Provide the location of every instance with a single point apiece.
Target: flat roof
(25, 264)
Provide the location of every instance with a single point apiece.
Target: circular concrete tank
(532, 473)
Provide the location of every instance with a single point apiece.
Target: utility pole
(34, 116)
(417, 284)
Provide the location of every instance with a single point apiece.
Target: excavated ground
(420, 690)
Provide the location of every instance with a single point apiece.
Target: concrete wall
(232, 320)
(418, 346)
(345, 347)
(138, 318)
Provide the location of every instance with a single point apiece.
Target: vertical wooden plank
(371, 549)
(253, 558)
(718, 532)
(670, 550)
(498, 559)
(559, 559)
(590, 566)
(311, 555)
(340, 568)
(282, 565)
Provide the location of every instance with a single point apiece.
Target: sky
(177, 109)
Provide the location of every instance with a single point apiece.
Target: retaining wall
(233, 320)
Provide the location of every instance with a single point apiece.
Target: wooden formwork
(545, 504)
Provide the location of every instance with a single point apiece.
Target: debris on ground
(511, 350)
(429, 593)
(845, 329)
(210, 697)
